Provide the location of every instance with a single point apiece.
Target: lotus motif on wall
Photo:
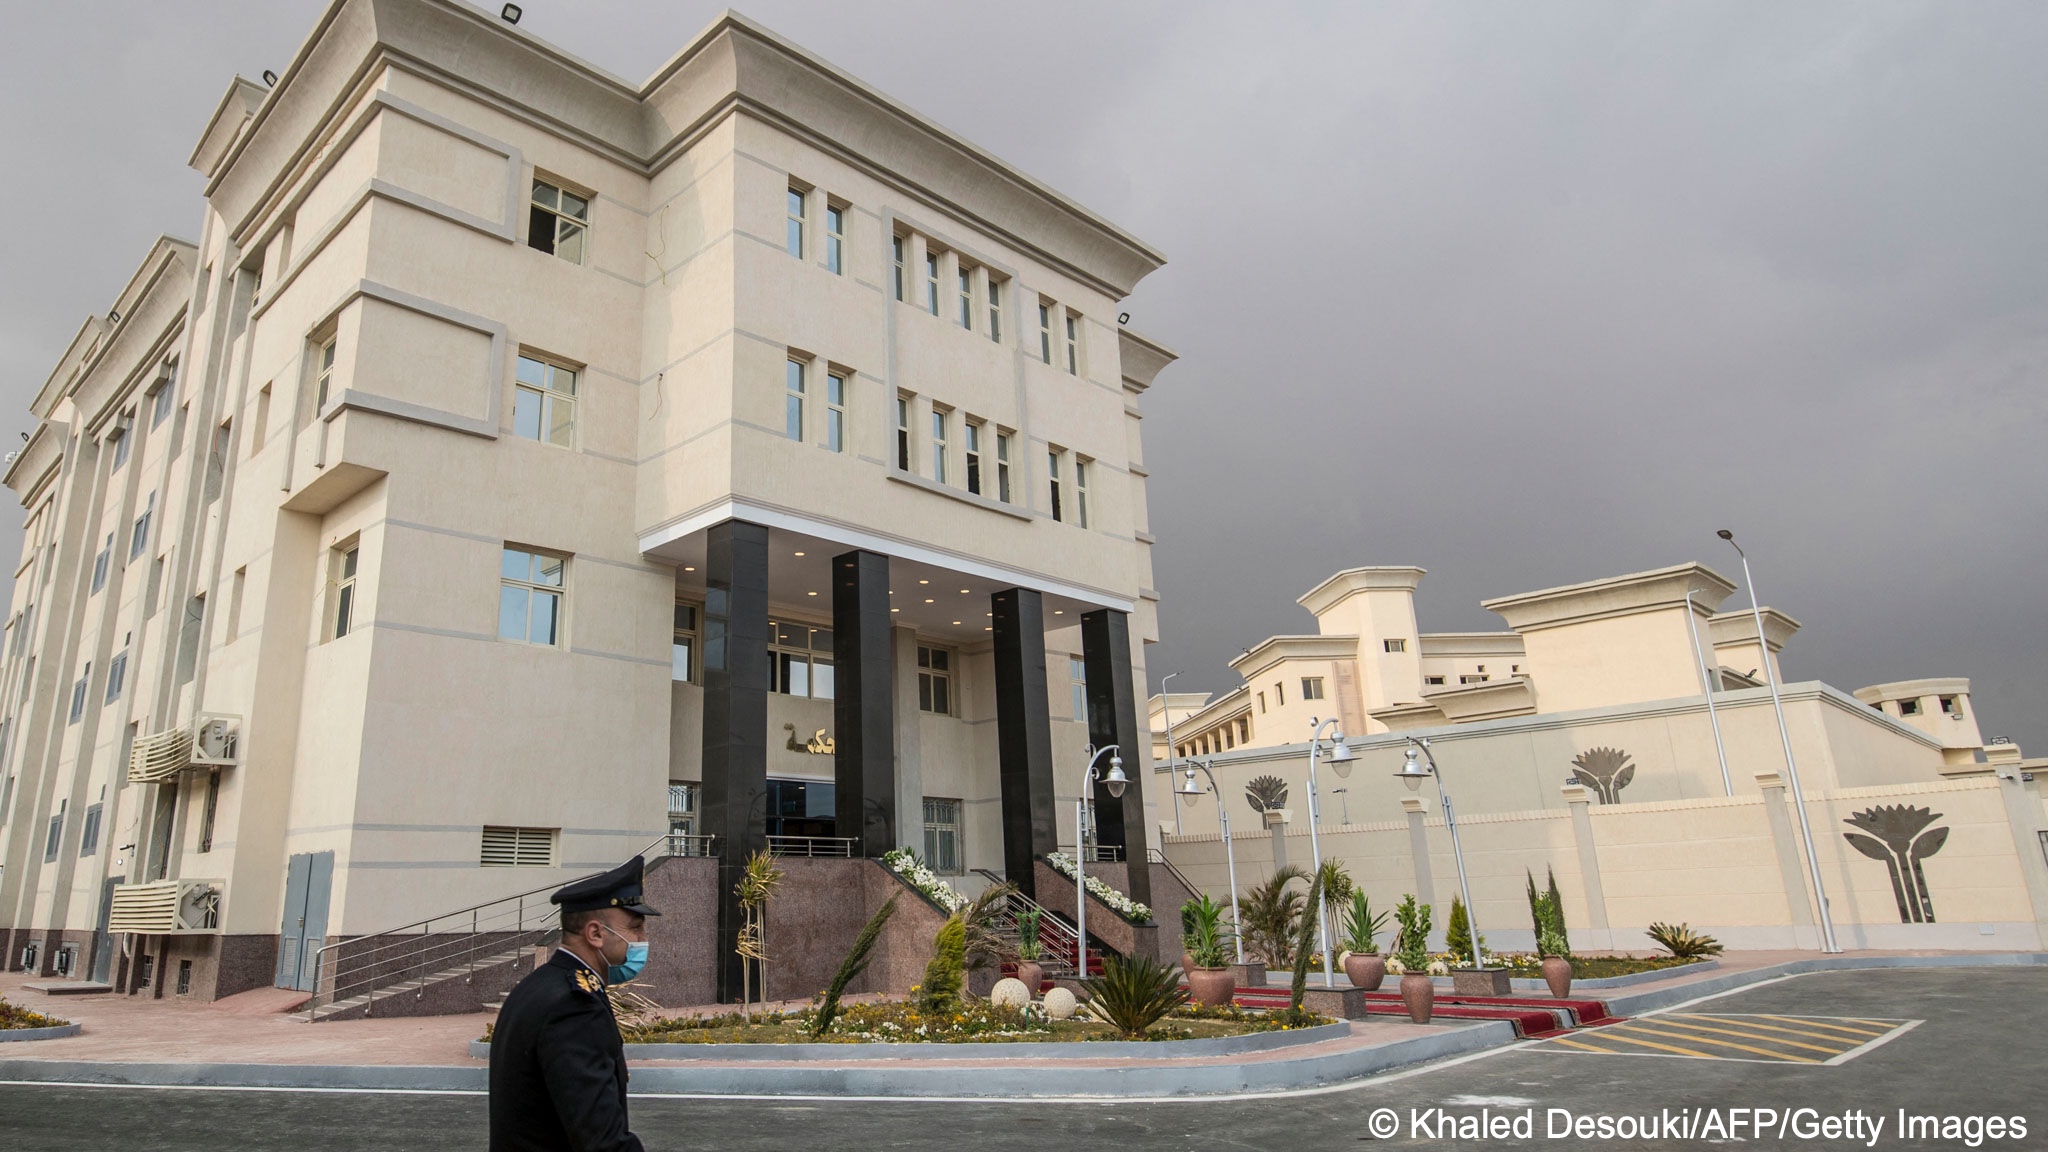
(1900, 836)
(1605, 770)
(1266, 793)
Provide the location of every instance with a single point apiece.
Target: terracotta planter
(1365, 970)
(1557, 972)
(1187, 962)
(1211, 987)
(1419, 995)
(1032, 973)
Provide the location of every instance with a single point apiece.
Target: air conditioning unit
(31, 957)
(216, 740)
(167, 907)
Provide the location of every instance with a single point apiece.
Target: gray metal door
(309, 879)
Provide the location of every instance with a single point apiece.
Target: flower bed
(1119, 903)
(1529, 964)
(13, 1017)
(900, 1022)
(903, 862)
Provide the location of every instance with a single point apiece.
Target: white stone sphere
(1060, 1003)
(1009, 992)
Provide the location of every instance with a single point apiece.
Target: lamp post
(1340, 759)
(1114, 781)
(1412, 774)
(1710, 680)
(1827, 922)
(1344, 813)
(1191, 790)
(1166, 709)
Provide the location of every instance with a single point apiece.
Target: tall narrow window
(345, 559)
(795, 237)
(138, 536)
(972, 433)
(835, 238)
(1073, 344)
(121, 446)
(940, 417)
(931, 282)
(217, 459)
(1045, 331)
(530, 588)
(1052, 472)
(1003, 467)
(899, 245)
(1080, 492)
(323, 374)
(78, 688)
(89, 832)
(556, 221)
(934, 680)
(942, 836)
(117, 675)
(544, 402)
(100, 563)
(903, 433)
(683, 645)
(793, 401)
(56, 833)
(835, 412)
(166, 392)
(967, 298)
(262, 426)
(1077, 683)
(995, 310)
(235, 590)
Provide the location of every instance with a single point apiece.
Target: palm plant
(1683, 943)
(1133, 993)
(756, 885)
(984, 946)
(1206, 936)
(1362, 926)
(852, 966)
(1268, 914)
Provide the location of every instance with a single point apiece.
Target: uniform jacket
(558, 1068)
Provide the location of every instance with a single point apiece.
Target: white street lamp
(1340, 760)
(1412, 774)
(1820, 892)
(1191, 789)
(1166, 708)
(1115, 782)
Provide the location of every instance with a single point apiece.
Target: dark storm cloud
(1524, 295)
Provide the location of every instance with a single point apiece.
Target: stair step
(418, 983)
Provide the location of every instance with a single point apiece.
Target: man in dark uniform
(558, 1068)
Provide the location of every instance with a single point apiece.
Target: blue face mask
(636, 959)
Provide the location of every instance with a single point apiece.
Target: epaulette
(588, 981)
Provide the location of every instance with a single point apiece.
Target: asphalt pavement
(1957, 1046)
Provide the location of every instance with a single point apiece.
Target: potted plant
(1557, 963)
(1029, 970)
(1190, 913)
(1210, 980)
(1412, 949)
(1363, 964)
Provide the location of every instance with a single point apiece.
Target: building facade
(525, 465)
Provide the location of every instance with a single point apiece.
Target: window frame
(1077, 684)
(835, 410)
(534, 586)
(1045, 332)
(558, 219)
(901, 246)
(345, 564)
(970, 446)
(138, 534)
(122, 445)
(794, 394)
(936, 668)
(1073, 342)
(117, 677)
(995, 310)
(1081, 490)
(547, 397)
(796, 225)
(1312, 688)
(1052, 479)
(903, 430)
(964, 275)
(944, 844)
(931, 279)
(685, 635)
(323, 369)
(102, 564)
(941, 442)
(782, 657)
(835, 238)
(161, 399)
(81, 689)
(1003, 466)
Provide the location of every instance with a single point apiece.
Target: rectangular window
(1080, 492)
(1052, 472)
(138, 536)
(518, 847)
(793, 401)
(1045, 331)
(967, 298)
(344, 578)
(1432, 679)
(1394, 645)
(931, 282)
(235, 589)
(800, 660)
(683, 645)
(217, 459)
(903, 433)
(835, 412)
(1077, 683)
(935, 680)
(794, 238)
(1003, 467)
(899, 245)
(262, 427)
(212, 809)
(835, 239)
(942, 836)
(1480, 679)
(1311, 687)
(166, 393)
(972, 431)
(323, 374)
(995, 310)
(56, 833)
(940, 417)
(1280, 694)
(184, 977)
(89, 832)
(1906, 707)
(117, 675)
(121, 445)
(557, 221)
(100, 562)
(530, 589)
(682, 809)
(1262, 703)
(544, 402)
(1073, 344)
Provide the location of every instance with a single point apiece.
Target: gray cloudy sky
(1522, 294)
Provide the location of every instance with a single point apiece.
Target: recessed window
(56, 833)
(1045, 331)
(940, 418)
(900, 247)
(1077, 684)
(262, 425)
(934, 680)
(235, 590)
(557, 221)
(931, 282)
(518, 847)
(1262, 703)
(89, 832)
(1081, 471)
(1052, 474)
(323, 373)
(138, 535)
(942, 836)
(903, 433)
(966, 275)
(1003, 467)
(544, 402)
(1395, 645)
(1478, 679)
(1909, 707)
(972, 434)
(530, 589)
(793, 238)
(835, 412)
(800, 660)
(1280, 694)
(1950, 705)
(184, 977)
(1311, 687)
(344, 561)
(117, 675)
(793, 401)
(78, 688)
(1073, 344)
(1432, 679)
(835, 239)
(995, 310)
(100, 563)
(121, 446)
(166, 393)
(683, 645)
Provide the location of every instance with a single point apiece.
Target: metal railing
(1155, 856)
(1055, 935)
(681, 844)
(1096, 853)
(810, 845)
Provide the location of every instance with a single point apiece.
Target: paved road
(1979, 1050)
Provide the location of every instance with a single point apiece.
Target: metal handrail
(1096, 853)
(683, 844)
(1155, 856)
(1056, 936)
(835, 846)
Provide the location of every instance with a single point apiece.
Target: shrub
(1683, 943)
(1304, 940)
(1546, 911)
(1268, 914)
(1133, 993)
(946, 973)
(1205, 936)
(1549, 944)
(1458, 932)
(1411, 947)
(1362, 926)
(1027, 933)
(853, 965)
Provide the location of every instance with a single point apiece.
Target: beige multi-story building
(526, 464)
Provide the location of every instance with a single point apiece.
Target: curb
(1641, 1002)
(9, 1035)
(394, 1077)
(1021, 1050)
(1524, 984)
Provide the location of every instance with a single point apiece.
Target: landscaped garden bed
(18, 1023)
(900, 1022)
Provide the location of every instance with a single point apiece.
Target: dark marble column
(863, 703)
(1113, 719)
(1023, 734)
(735, 765)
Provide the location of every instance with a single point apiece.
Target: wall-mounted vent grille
(519, 847)
(159, 756)
(166, 907)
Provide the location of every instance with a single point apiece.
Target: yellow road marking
(1732, 1044)
(1752, 1036)
(1586, 1046)
(1741, 1022)
(1882, 1028)
(1610, 1034)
